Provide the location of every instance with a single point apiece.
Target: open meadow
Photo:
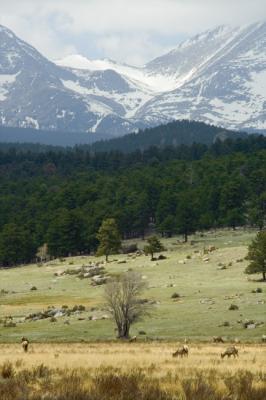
(205, 285)
(73, 355)
(128, 371)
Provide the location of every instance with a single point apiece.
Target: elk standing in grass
(230, 351)
(25, 344)
(181, 352)
(217, 339)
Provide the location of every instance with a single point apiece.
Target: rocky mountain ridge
(218, 77)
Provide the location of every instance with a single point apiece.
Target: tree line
(61, 197)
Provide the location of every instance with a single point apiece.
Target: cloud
(131, 48)
(128, 30)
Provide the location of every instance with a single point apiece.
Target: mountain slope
(218, 77)
(35, 92)
(174, 133)
(229, 89)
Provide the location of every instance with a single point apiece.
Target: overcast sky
(132, 31)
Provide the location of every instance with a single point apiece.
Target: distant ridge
(172, 134)
(53, 138)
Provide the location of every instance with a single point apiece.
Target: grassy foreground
(206, 292)
(129, 371)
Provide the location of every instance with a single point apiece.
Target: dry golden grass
(126, 356)
(127, 371)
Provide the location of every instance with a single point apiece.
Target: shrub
(258, 290)
(175, 296)
(7, 370)
(201, 388)
(233, 307)
(10, 324)
(41, 371)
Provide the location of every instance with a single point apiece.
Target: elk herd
(181, 352)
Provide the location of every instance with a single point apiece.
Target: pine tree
(109, 238)
(186, 217)
(257, 255)
(154, 246)
(16, 245)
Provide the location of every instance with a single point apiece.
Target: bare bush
(122, 296)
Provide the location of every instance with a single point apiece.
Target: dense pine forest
(174, 133)
(61, 196)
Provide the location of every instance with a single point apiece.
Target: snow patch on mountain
(138, 75)
(5, 81)
(30, 123)
(257, 84)
(218, 76)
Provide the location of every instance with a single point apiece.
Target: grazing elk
(230, 351)
(217, 339)
(181, 352)
(25, 344)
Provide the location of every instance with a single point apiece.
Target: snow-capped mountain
(226, 86)
(35, 92)
(217, 77)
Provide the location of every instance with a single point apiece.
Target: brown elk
(25, 344)
(181, 352)
(230, 351)
(218, 339)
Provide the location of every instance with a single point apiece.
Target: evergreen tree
(257, 255)
(165, 212)
(66, 234)
(154, 246)
(168, 226)
(16, 245)
(257, 211)
(232, 201)
(109, 238)
(186, 217)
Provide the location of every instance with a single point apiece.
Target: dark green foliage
(257, 211)
(187, 214)
(154, 246)
(61, 197)
(257, 255)
(172, 134)
(109, 238)
(16, 245)
(66, 233)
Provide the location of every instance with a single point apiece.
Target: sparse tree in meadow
(122, 295)
(257, 255)
(154, 246)
(109, 238)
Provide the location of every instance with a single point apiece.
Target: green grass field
(206, 292)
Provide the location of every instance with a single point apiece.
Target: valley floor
(206, 285)
(127, 371)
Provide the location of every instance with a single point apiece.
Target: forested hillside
(172, 134)
(54, 138)
(62, 197)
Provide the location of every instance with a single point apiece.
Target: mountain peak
(217, 77)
